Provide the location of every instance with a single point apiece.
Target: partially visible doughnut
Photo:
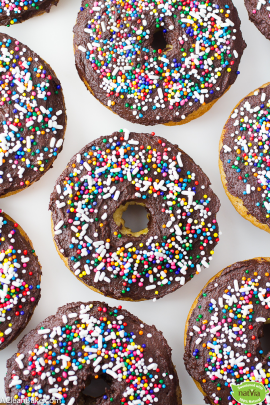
(259, 14)
(32, 116)
(20, 276)
(223, 329)
(244, 159)
(85, 341)
(16, 11)
(158, 62)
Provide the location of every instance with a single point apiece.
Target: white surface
(51, 37)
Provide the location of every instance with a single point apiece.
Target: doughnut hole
(132, 218)
(94, 389)
(159, 41)
(264, 337)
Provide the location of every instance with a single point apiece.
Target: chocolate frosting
(183, 251)
(243, 343)
(19, 282)
(151, 350)
(175, 62)
(256, 147)
(32, 117)
(15, 17)
(261, 17)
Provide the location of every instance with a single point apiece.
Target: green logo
(249, 393)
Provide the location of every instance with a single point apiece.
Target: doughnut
(98, 185)
(33, 117)
(17, 11)
(258, 12)
(88, 341)
(223, 329)
(19, 282)
(244, 159)
(158, 62)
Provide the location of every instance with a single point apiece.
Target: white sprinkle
(81, 48)
(19, 361)
(111, 373)
(160, 93)
(72, 315)
(150, 287)
(44, 331)
(179, 160)
(64, 318)
(126, 132)
(97, 276)
(86, 165)
(260, 319)
(58, 226)
(59, 143)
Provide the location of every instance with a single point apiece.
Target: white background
(51, 37)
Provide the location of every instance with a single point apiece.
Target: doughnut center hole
(132, 218)
(95, 388)
(159, 41)
(265, 338)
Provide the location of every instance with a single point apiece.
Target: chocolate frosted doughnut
(88, 341)
(225, 323)
(100, 182)
(19, 282)
(158, 62)
(32, 116)
(259, 14)
(244, 157)
(17, 11)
